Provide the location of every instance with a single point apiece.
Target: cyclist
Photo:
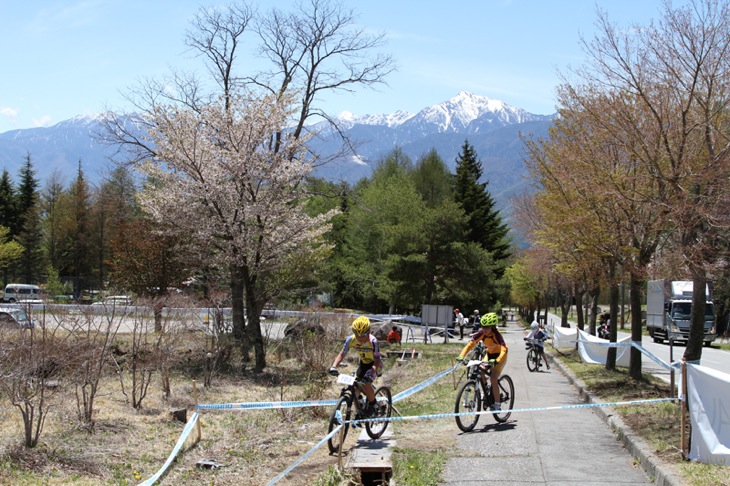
(496, 351)
(366, 345)
(537, 336)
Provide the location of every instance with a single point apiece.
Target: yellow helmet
(489, 320)
(361, 326)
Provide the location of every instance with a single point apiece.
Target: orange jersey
(496, 347)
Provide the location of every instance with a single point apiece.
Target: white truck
(669, 309)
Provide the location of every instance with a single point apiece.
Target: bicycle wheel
(506, 398)
(468, 400)
(340, 415)
(532, 358)
(384, 409)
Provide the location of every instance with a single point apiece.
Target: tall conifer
(29, 233)
(8, 202)
(485, 221)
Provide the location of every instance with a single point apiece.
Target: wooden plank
(372, 454)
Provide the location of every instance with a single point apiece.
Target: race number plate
(346, 379)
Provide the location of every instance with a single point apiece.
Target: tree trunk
(254, 306)
(693, 351)
(635, 299)
(612, 331)
(565, 304)
(239, 323)
(157, 310)
(579, 294)
(594, 310)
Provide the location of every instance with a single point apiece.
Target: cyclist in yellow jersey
(371, 366)
(496, 351)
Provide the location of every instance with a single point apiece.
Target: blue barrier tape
(645, 352)
(396, 398)
(407, 393)
(514, 410)
(186, 431)
(306, 455)
(266, 405)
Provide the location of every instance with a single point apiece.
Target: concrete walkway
(554, 447)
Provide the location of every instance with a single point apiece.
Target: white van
(16, 292)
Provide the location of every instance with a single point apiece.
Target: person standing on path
(459, 321)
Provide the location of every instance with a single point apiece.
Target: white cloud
(11, 113)
(43, 121)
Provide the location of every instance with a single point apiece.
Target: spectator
(459, 321)
(394, 336)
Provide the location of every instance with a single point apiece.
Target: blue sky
(63, 58)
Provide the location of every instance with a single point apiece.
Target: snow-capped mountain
(391, 120)
(491, 126)
(468, 113)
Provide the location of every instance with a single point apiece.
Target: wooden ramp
(372, 458)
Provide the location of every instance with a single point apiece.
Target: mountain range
(493, 128)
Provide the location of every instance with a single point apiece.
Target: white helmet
(534, 325)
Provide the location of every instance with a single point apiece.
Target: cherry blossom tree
(224, 176)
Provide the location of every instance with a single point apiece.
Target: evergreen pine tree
(29, 232)
(485, 221)
(27, 195)
(8, 200)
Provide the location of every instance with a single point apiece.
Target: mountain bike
(477, 393)
(353, 395)
(534, 360)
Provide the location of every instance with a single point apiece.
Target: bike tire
(468, 400)
(506, 398)
(532, 358)
(384, 401)
(340, 414)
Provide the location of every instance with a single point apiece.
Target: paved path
(556, 447)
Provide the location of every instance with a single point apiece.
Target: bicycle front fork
(486, 390)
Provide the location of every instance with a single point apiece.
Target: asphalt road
(566, 446)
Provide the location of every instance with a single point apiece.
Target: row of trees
(61, 229)
(632, 180)
(410, 234)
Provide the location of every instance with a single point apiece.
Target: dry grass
(127, 446)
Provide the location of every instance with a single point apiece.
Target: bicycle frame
(353, 390)
(476, 394)
(350, 396)
(482, 377)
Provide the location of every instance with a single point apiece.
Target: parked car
(11, 318)
(15, 292)
(115, 300)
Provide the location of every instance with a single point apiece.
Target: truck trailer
(669, 310)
